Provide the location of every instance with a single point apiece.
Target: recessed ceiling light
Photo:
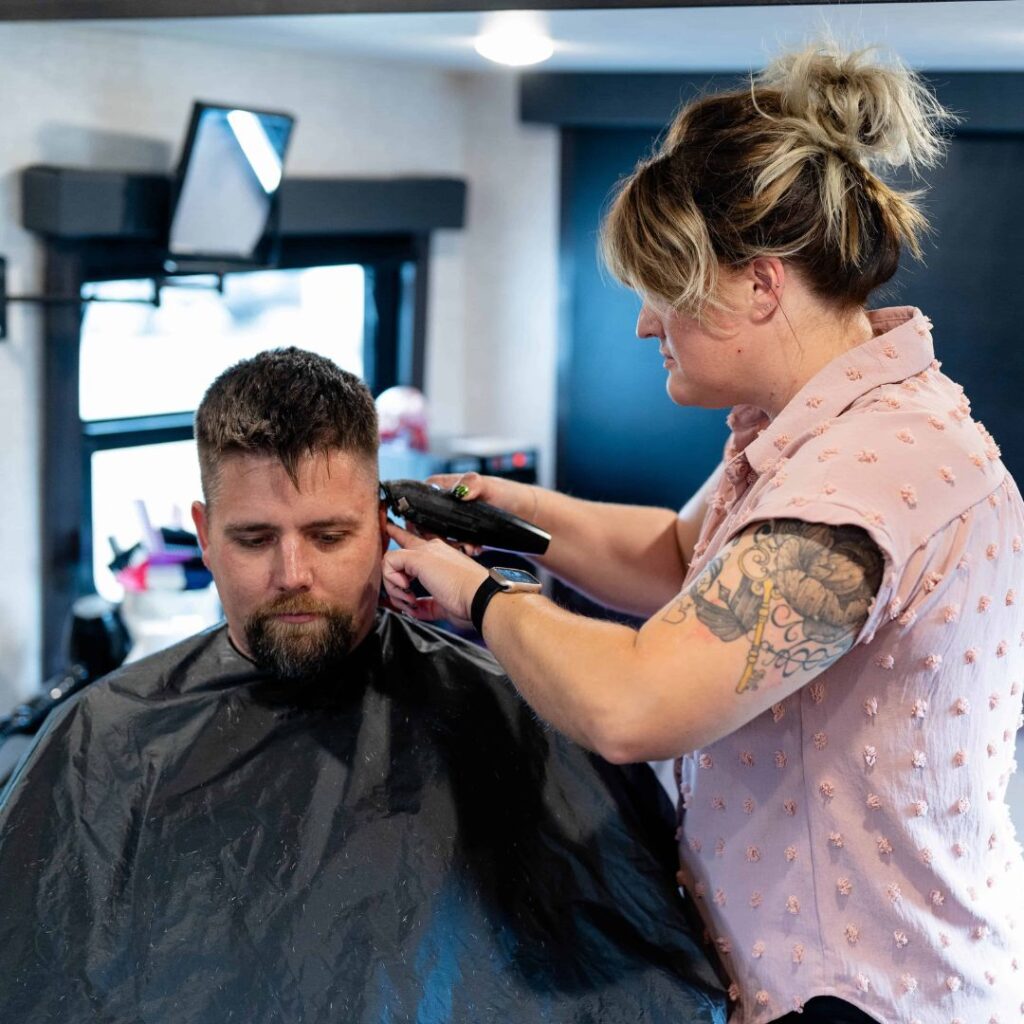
(514, 38)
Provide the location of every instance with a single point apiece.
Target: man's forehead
(311, 469)
(340, 480)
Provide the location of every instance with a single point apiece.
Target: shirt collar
(902, 346)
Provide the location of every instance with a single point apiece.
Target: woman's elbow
(631, 743)
(656, 733)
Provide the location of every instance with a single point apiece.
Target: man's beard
(299, 650)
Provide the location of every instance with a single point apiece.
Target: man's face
(298, 570)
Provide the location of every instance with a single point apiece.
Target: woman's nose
(647, 323)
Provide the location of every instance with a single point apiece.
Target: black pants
(827, 1010)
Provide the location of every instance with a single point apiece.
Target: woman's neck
(809, 340)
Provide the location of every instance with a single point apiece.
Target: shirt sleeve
(835, 513)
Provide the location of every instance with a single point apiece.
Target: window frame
(396, 267)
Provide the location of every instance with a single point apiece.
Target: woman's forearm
(626, 557)
(632, 558)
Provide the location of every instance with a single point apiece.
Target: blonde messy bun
(877, 114)
(790, 167)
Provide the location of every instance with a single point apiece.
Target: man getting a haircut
(320, 811)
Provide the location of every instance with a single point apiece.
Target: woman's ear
(767, 281)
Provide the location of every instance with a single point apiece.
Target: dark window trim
(133, 431)
(109, 435)
(76, 204)
(993, 100)
(396, 267)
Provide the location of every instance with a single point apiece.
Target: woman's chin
(683, 392)
(677, 389)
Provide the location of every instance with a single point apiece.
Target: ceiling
(958, 36)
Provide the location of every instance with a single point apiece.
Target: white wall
(511, 253)
(85, 96)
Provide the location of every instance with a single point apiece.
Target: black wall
(971, 281)
(620, 437)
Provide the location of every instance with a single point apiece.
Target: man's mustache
(287, 605)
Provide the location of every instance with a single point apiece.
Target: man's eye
(252, 542)
(329, 539)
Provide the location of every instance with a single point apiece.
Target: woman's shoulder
(903, 461)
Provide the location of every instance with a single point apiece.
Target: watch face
(516, 575)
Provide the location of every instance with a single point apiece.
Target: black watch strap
(481, 599)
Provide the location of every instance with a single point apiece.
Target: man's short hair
(286, 404)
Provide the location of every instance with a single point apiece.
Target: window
(143, 370)
(143, 360)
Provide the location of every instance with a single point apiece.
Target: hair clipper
(473, 522)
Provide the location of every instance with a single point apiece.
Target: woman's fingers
(426, 609)
(405, 538)
(398, 587)
(518, 498)
(450, 578)
(396, 578)
(465, 486)
(402, 536)
(400, 596)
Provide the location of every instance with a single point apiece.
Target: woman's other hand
(450, 578)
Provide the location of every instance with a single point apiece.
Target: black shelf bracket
(159, 283)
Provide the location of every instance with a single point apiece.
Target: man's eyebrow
(332, 522)
(248, 527)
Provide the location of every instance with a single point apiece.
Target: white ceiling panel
(984, 35)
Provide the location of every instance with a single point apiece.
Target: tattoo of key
(754, 564)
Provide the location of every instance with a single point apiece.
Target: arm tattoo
(803, 595)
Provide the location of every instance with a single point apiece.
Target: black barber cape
(193, 841)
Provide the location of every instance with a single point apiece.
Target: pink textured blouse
(854, 840)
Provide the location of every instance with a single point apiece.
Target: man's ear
(767, 281)
(385, 540)
(202, 524)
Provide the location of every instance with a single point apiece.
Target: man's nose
(294, 568)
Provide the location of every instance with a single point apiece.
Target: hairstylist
(834, 641)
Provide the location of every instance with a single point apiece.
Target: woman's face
(704, 361)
